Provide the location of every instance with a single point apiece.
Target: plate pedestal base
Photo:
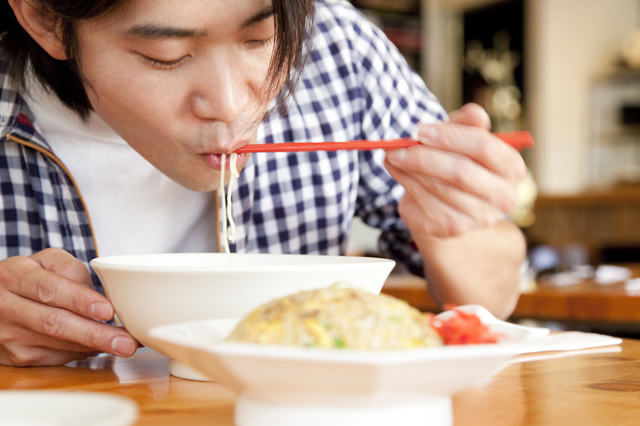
(180, 370)
(431, 410)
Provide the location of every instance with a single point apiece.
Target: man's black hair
(293, 22)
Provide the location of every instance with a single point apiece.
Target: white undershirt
(134, 209)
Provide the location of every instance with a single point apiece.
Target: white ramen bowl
(158, 289)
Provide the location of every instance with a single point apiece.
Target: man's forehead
(179, 19)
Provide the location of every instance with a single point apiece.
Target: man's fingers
(63, 263)
(477, 144)
(54, 290)
(471, 114)
(15, 337)
(64, 325)
(440, 209)
(50, 314)
(459, 173)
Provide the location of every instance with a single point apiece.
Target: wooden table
(594, 387)
(584, 302)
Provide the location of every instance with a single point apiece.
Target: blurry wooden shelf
(598, 218)
(583, 302)
(625, 195)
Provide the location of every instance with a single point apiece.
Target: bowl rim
(356, 262)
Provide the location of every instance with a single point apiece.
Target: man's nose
(222, 92)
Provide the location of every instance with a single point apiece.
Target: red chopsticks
(519, 140)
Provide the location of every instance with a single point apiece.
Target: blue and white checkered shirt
(355, 85)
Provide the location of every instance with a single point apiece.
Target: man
(138, 99)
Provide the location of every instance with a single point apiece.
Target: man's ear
(39, 27)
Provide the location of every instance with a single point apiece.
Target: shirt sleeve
(396, 100)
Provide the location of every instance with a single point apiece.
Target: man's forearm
(480, 267)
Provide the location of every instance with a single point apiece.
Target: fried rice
(338, 318)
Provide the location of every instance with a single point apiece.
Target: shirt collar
(15, 117)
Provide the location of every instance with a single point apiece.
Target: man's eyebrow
(265, 13)
(157, 31)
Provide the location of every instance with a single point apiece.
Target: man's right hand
(50, 313)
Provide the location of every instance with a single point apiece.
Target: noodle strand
(227, 214)
(225, 241)
(233, 175)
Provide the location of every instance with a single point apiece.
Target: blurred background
(569, 72)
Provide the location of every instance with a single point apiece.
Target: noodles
(227, 215)
(233, 175)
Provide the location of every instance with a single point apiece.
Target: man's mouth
(215, 161)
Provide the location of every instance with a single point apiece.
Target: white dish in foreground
(53, 408)
(288, 386)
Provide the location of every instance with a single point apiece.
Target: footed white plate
(287, 386)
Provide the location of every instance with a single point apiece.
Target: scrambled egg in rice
(338, 318)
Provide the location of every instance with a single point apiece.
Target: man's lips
(215, 160)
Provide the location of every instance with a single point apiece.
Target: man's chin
(197, 183)
(203, 186)
(207, 180)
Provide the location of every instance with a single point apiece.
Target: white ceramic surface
(289, 386)
(158, 289)
(53, 408)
